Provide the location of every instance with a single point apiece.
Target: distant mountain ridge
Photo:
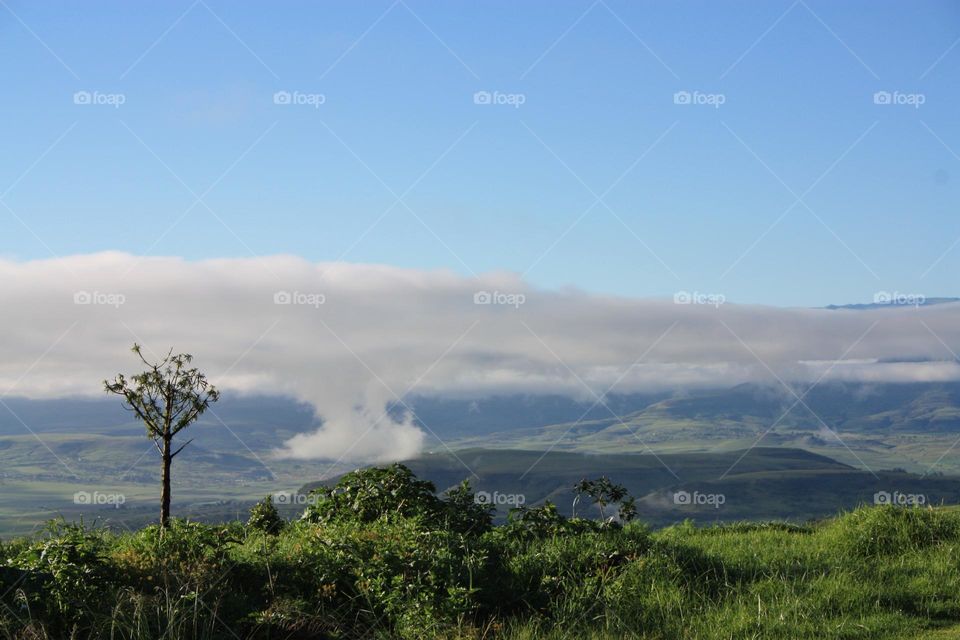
(892, 300)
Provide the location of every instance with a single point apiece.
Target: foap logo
(96, 498)
(899, 499)
(695, 297)
(298, 499)
(99, 298)
(898, 98)
(97, 98)
(299, 298)
(515, 100)
(496, 498)
(896, 298)
(499, 298)
(298, 98)
(714, 100)
(697, 499)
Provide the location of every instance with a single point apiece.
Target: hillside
(878, 426)
(759, 484)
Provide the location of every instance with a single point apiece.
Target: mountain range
(847, 435)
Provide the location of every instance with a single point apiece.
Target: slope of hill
(875, 426)
(758, 484)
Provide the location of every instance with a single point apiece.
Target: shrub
(463, 514)
(421, 580)
(393, 573)
(265, 517)
(533, 523)
(189, 555)
(367, 495)
(67, 575)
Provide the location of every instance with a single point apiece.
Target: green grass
(873, 573)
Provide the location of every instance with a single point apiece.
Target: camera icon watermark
(897, 298)
(295, 499)
(695, 297)
(115, 100)
(715, 100)
(499, 298)
(898, 98)
(298, 98)
(114, 300)
(515, 100)
(299, 298)
(98, 499)
(697, 499)
(498, 499)
(899, 499)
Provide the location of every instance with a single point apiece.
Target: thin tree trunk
(165, 492)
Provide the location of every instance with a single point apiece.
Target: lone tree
(168, 397)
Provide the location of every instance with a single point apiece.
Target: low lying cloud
(352, 338)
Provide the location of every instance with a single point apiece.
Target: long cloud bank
(352, 338)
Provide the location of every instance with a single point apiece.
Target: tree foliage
(265, 517)
(167, 398)
(369, 494)
(604, 492)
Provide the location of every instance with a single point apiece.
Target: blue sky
(693, 197)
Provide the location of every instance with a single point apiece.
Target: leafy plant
(366, 495)
(66, 571)
(265, 517)
(464, 514)
(604, 492)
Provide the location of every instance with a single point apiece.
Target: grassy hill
(875, 426)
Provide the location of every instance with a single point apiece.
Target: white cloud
(357, 336)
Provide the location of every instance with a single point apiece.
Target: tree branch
(172, 455)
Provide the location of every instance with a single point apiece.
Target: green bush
(189, 554)
(65, 575)
(366, 495)
(534, 523)
(370, 494)
(265, 517)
